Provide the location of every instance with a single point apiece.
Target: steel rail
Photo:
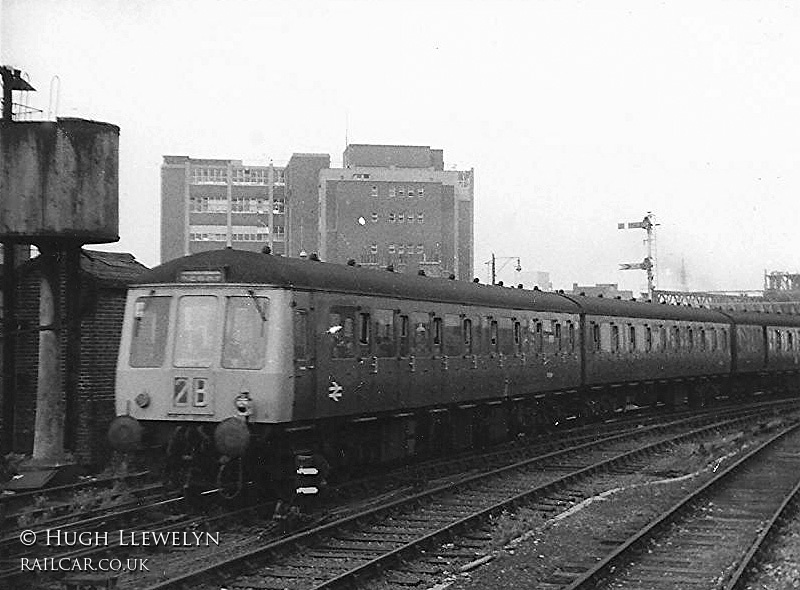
(636, 542)
(349, 577)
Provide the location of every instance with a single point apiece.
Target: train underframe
(283, 459)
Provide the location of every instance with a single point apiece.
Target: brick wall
(102, 306)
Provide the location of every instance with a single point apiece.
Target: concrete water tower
(58, 190)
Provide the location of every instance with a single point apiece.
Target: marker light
(244, 404)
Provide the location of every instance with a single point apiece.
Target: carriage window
(342, 332)
(689, 339)
(383, 323)
(614, 338)
(596, 336)
(453, 335)
(405, 344)
(571, 336)
(363, 334)
(535, 329)
(702, 338)
(778, 340)
(437, 335)
(196, 327)
(300, 334)
(556, 328)
(662, 336)
(517, 336)
(420, 328)
(245, 333)
(467, 332)
(493, 336)
(676, 338)
(631, 338)
(724, 340)
(149, 338)
(789, 341)
(648, 339)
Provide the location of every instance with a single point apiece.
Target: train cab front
(194, 378)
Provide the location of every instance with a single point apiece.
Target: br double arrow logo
(335, 391)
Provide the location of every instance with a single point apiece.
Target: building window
(401, 191)
(374, 191)
(401, 218)
(392, 191)
(391, 249)
(209, 175)
(373, 249)
(374, 218)
(401, 249)
(391, 217)
(410, 191)
(420, 249)
(420, 218)
(361, 176)
(421, 192)
(208, 204)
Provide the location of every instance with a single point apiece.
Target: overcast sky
(574, 115)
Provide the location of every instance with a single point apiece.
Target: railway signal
(649, 263)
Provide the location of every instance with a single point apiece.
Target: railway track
(407, 478)
(711, 538)
(381, 539)
(159, 514)
(31, 505)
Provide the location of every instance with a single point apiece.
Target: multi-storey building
(302, 182)
(388, 206)
(208, 204)
(396, 206)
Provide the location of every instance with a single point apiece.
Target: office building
(208, 204)
(396, 206)
(389, 205)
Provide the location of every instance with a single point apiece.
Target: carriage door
(304, 358)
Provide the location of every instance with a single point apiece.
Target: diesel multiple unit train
(244, 362)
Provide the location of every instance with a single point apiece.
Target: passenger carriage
(267, 361)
